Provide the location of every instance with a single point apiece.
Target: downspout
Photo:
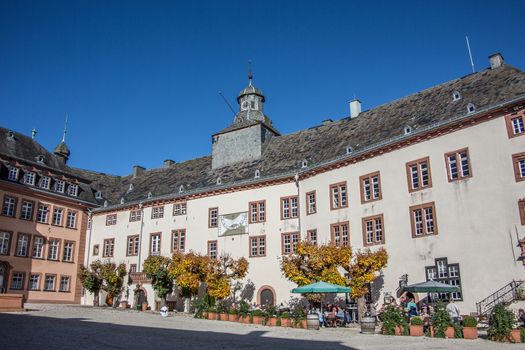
(141, 207)
(296, 178)
(90, 223)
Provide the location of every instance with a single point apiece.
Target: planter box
(212, 315)
(515, 336)
(470, 332)
(223, 317)
(399, 330)
(449, 332)
(258, 319)
(232, 318)
(286, 322)
(272, 322)
(301, 324)
(244, 319)
(11, 302)
(416, 330)
(124, 304)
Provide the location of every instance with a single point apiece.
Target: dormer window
(257, 174)
(29, 178)
(10, 135)
(150, 195)
(13, 174)
(105, 204)
(349, 149)
(40, 159)
(407, 130)
(304, 163)
(219, 181)
(60, 186)
(122, 200)
(130, 188)
(98, 195)
(471, 108)
(245, 105)
(181, 188)
(456, 96)
(45, 182)
(72, 190)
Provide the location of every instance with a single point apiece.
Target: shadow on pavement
(36, 332)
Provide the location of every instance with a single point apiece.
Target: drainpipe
(296, 178)
(141, 207)
(88, 253)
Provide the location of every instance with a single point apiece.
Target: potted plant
(244, 311)
(257, 316)
(501, 323)
(416, 326)
(394, 322)
(298, 316)
(442, 323)
(269, 315)
(124, 303)
(470, 327)
(222, 310)
(285, 319)
(233, 315)
(212, 313)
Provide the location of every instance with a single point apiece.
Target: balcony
(139, 277)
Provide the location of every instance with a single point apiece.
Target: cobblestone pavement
(80, 327)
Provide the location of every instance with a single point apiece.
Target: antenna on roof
(65, 130)
(470, 55)
(250, 74)
(227, 103)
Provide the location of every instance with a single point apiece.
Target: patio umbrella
(431, 287)
(321, 287)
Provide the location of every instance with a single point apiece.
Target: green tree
(91, 279)
(156, 269)
(113, 279)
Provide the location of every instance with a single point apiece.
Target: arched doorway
(266, 296)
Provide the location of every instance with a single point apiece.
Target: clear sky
(140, 79)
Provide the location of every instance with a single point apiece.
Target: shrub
(269, 311)
(441, 320)
(501, 322)
(278, 323)
(285, 314)
(212, 310)
(298, 314)
(257, 312)
(522, 335)
(222, 308)
(469, 321)
(233, 312)
(458, 330)
(392, 317)
(244, 308)
(201, 306)
(416, 321)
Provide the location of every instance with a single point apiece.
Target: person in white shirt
(453, 311)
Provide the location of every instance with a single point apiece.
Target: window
(135, 215)
(154, 244)
(178, 240)
(12, 174)
(518, 160)
(213, 217)
(71, 220)
(515, 124)
(370, 187)
(17, 281)
(60, 186)
(312, 236)
(157, 212)
(49, 283)
(133, 245)
(111, 219)
(338, 196)
(57, 216)
(38, 247)
(72, 190)
(98, 195)
(418, 174)
(5, 239)
(22, 245)
(456, 96)
(423, 220)
(471, 108)
(45, 182)
(311, 205)
(95, 249)
(521, 208)
(257, 212)
(257, 246)
(179, 208)
(42, 213)
(340, 234)
(458, 165)
(29, 178)
(289, 242)
(26, 212)
(34, 282)
(64, 283)
(9, 208)
(109, 248)
(289, 207)
(67, 255)
(133, 268)
(212, 249)
(447, 273)
(373, 230)
(52, 253)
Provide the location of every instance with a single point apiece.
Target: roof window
(98, 195)
(304, 163)
(407, 129)
(181, 188)
(471, 108)
(219, 181)
(456, 96)
(349, 149)
(257, 174)
(150, 195)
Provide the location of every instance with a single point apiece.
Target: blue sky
(140, 79)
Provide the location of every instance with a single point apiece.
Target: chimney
(138, 170)
(327, 121)
(496, 60)
(355, 108)
(168, 163)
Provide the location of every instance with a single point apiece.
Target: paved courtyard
(78, 327)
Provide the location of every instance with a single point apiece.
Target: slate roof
(324, 143)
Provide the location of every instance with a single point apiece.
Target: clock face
(245, 105)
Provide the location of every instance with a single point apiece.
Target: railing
(506, 294)
(139, 277)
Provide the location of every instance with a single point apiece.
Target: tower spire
(250, 75)
(65, 130)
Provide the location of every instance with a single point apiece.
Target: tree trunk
(162, 301)
(116, 301)
(187, 305)
(361, 308)
(96, 299)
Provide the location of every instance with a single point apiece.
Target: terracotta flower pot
(223, 317)
(285, 322)
(432, 334)
(124, 304)
(449, 332)
(272, 322)
(144, 306)
(470, 332)
(245, 319)
(212, 315)
(416, 330)
(515, 336)
(399, 330)
(232, 318)
(258, 319)
(301, 324)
